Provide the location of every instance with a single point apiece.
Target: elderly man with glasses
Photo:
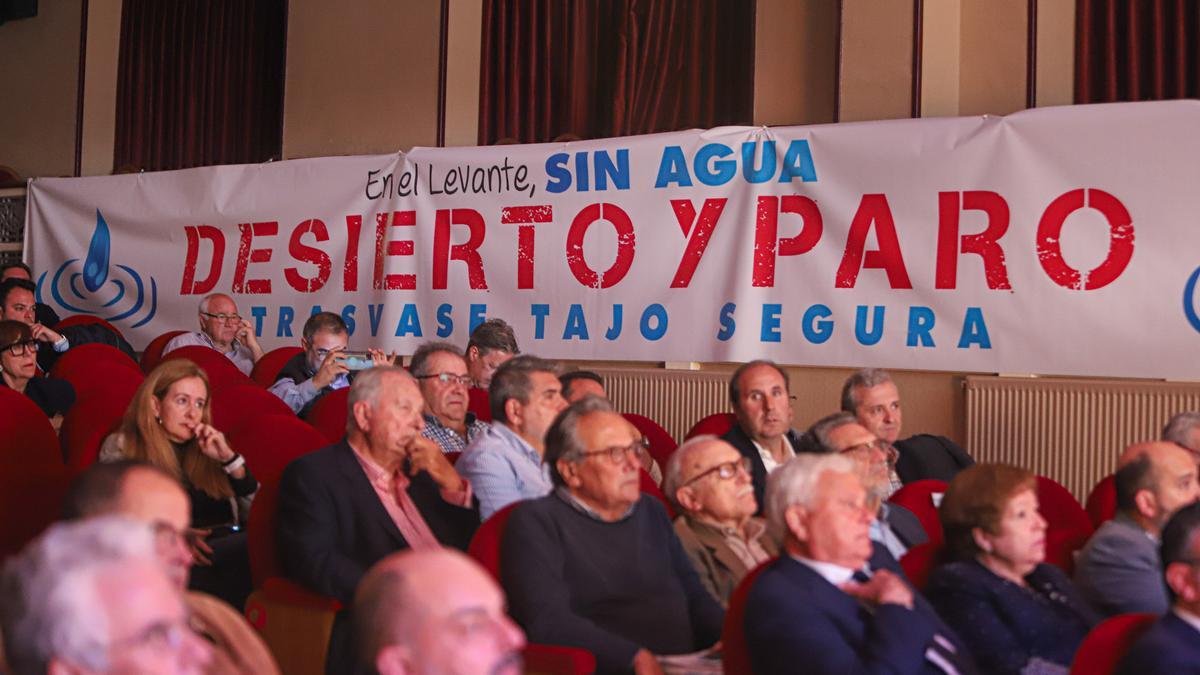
(223, 329)
(441, 371)
(597, 565)
(709, 484)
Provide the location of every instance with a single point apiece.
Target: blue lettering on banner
(410, 323)
(478, 315)
(560, 176)
(1189, 299)
(614, 331)
(974, 330)
(375, 313)
(286, 316)
(444, 320)
(728, 325)
(659, 314)
(770, 323)
(673, 168)
(920, 325)
(798, 162)
(868, 336)
(576, 324)
(817, 325)
(539, 312)
(348, 318)
(722, 171)
(259, 313)
(766, 168)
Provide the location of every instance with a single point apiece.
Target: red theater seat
(152, 355)
(220, 370)
(735, 656)
(485, 545)
(647, 485)
(270, 442)
(1104, 646)
(917, 497)
(555, 660)
(919, 562)
(33, 478)
(266, 370)
(104, 378)
(716, 424)
(1101, 503)
(329, 414)
(87, 424)
(477, 402)
(87, 355)
(661, 443)
(240, 404)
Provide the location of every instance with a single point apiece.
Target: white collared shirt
(768, 459)
(833, 573)
(1187, 617)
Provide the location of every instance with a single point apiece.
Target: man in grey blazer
(1119, 569)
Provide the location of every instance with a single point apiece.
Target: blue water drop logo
(95, 266)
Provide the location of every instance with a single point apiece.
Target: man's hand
(884, 588)
(43, 334)
(426, 455)
(245, 335)
(330, 368)
(378, 358)
(644, 663)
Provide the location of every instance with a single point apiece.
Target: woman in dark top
(18, 371)
(1016, 614)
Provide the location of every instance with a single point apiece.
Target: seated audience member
(1015, 613)
(42, 313)
(92, 597)
(316, 371)
(381, 489)
(595, 564)
(148, 494)
(169, 424)
(1118, 570)
(579, 383)
(504, 463)
(17, 304)
(1172, 645)
(18, 371)
(871, 396)
(761, 396)
(821, 608)
(708, 482)
(222, 329)
(491, 344)
(895, 527)
(1183, 430)
(435, 611)
(442, 374)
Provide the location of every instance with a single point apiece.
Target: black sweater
(611, 588)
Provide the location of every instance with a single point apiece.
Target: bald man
(434, 611)
(1119, 569)
(223, 329)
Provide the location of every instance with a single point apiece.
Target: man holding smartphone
(308, 376)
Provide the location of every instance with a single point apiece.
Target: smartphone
(356, 360)
(219, 531)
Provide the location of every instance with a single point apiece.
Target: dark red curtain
(1136, 50)
(199, 82)
(595, 68)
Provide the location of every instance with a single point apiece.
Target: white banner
(1055, 241)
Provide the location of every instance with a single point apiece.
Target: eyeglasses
(21, 348)
(865, 448)
(223, 318)
(448, 378)
(724, 471)
(167, 636)
(618, 453)
(322, 353)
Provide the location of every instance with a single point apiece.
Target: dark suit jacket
(1169, 647)
(331, 526)
(758, 471)
(930, 457)
(796, 621)
(1005, 625)
(905, 525)
(1119, 570)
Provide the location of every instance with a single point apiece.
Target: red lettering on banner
(1049, 242)
(697, 231)
(467, 252)
(766, 233)
(304, 253)
(873, 209)
(247, 254)
(524, 217)
(391, 282)
(350, 270)
(196, 233)
(984, 244)
(626, 243)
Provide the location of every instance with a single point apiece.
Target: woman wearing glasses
(169, 425)
(18, 371)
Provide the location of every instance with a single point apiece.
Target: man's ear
(569, 473)
(687, 499)
(304, 344)
(362, 416)
(1146, 503)
(796, 517)
(514, 411)
(472, 353)
(393, 660)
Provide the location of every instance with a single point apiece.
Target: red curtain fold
(595, 68)
(199, 82)
(1136, 50)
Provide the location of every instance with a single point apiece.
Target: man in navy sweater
(595, 564)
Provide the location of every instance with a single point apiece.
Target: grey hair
(204, 302)
(50, 605)
(366, 387)
(420, 358)
(512, 380)
(796, 483)
(673, 472)
(1179, 426)
(865, 378)
(816, 439)
(562, 438)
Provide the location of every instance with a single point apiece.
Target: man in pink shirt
(381, 489)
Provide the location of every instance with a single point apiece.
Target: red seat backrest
(1104, 646)
(220, 370)
(104, 378)
(329, 414)
(485, 545)
(266, 369)
(647, 485)
(919, 562)
(83, 320)
(88, 422)
(716, 424)
(238, 404)
(477, 402)
(1101, 503)
(270, 442)
(735, 656)
(1060, 508)
(84, 356)
(917, 497)
(661, 442)
(26, 439)
(558, 660)
(152, 354)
